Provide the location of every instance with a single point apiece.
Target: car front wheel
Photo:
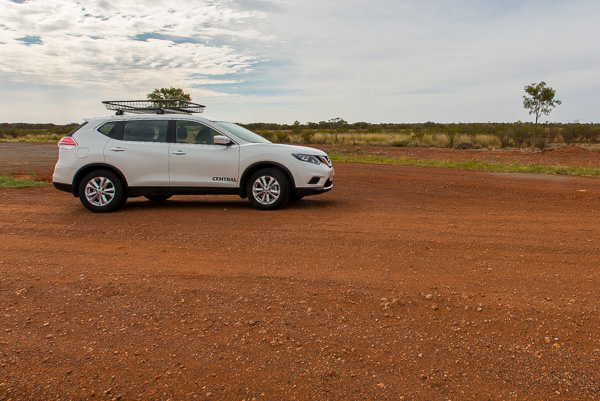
(102, 191)
(268, 189)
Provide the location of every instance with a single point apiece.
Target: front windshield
(241, 132)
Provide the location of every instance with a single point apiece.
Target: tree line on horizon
(338, 131)
(518, 134)
(539, 100)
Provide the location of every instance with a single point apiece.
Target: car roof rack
(165, 106)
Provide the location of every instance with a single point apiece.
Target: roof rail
(165, 106)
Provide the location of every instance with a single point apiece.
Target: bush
(540, 143)
(307, 135)
(400, 143)
(282, 136)
(465, 145)
(486, 141)
(267, 135)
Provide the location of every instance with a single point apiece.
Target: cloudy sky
(308, 60)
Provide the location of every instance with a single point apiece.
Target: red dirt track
(402, 283)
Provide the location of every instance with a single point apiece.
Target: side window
(109, 129)
(194, 132)
(146, 131)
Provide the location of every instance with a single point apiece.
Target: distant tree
(297, 127)
(540, 101)
(169, 94)
(338, 121)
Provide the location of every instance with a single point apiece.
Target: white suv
(106, 160)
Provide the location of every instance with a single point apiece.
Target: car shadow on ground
(233, 204)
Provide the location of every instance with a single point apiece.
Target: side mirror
(222, 140)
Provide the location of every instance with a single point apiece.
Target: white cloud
(99, 44)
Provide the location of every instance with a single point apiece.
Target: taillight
(67, 142)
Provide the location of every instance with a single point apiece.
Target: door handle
(178, 152)
(117, 149)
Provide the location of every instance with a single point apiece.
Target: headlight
(307, 158)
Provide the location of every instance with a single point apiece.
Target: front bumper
(313, 191)
(316, 179)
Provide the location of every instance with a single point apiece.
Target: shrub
(487, 141)
(400, 143)
(540, 143)
(434, 141)
(504, 138)
(465, 145)
(307, 135)
(282, 136)
(266, 134)
(322, 139)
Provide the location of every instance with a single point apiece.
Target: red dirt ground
(401, 283)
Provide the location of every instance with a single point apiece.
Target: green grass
(469, 165)
(10, 182)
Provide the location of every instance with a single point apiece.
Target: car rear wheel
(268, 189)
(102, 191)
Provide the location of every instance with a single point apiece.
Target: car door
(141, 153)
(195, 160)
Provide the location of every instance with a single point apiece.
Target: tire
(268, 189)
(102, 191)
(157, 198)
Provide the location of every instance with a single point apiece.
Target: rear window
(80, 126)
